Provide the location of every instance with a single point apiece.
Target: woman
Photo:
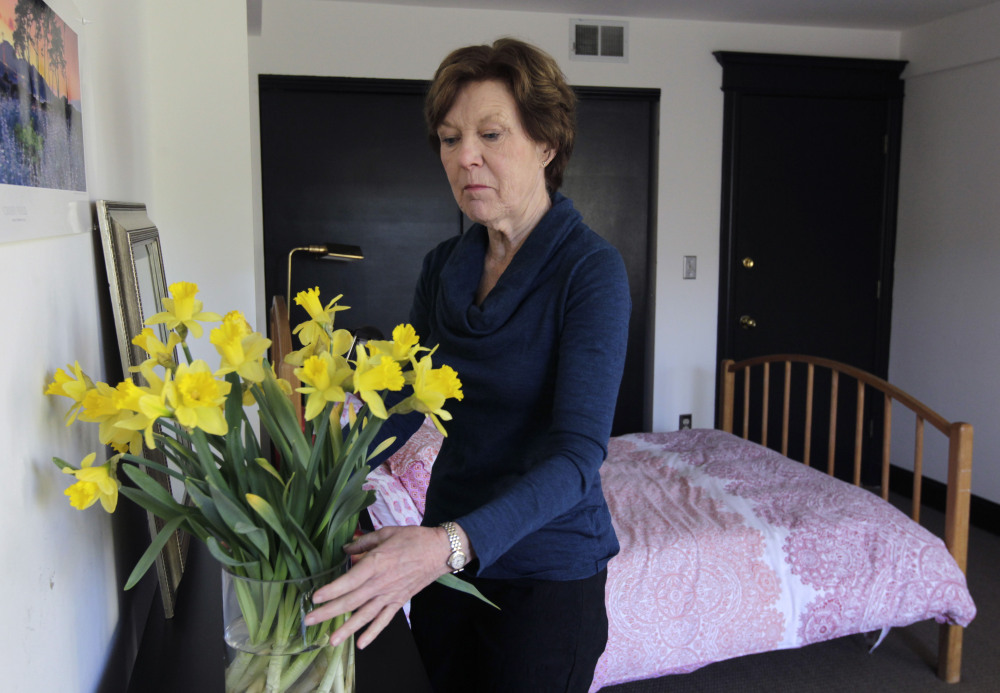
(531, 308)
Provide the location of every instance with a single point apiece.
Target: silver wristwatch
(456, 561)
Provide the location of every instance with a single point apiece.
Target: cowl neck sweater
(540, 362)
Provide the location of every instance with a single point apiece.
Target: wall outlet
(685, 422)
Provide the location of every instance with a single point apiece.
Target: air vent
(602, 40)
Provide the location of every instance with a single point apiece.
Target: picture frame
(138, 284)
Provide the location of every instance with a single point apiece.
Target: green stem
(275, 668)
(298, 667)
(246, 673)
(341, 667)
(236, 669)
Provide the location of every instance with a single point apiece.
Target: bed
(730, 548)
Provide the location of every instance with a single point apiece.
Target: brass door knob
(748, 262)
(747, 323)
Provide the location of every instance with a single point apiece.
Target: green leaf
(63, 464)
(135, 459)
(208, 510)
(449, 580)
(381, 446)
(278, 409)
(264, 464)
(239, 521)
(233, 451)
(312, 556)
(266, 512)
(147, 502)
(350, 501)
(155, 546)
(206, 459)
(278, 437)
(151, 487)
(179, 453)
(319, 442)
(215, 548)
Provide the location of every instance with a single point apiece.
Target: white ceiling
(856, 14)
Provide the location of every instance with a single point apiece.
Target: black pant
(546, 637)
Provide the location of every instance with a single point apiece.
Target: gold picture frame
(138, 285)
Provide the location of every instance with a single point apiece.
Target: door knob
(748, 262)
(747, 323)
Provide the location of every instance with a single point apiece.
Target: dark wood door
(347, 161)
(809, 190)
(609, 180)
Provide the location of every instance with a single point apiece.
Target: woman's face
(496, 172)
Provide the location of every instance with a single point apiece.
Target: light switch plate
(690, 266)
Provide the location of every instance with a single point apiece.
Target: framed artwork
(138, 285)
(43, 187)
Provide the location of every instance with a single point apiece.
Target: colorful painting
(43, 190)
(41, 135)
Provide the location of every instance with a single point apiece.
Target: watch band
(456, 561)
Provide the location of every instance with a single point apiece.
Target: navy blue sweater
(540, 363)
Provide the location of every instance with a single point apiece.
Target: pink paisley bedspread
(728, 548)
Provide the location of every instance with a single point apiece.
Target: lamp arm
(318, 249)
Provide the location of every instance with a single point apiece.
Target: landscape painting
(41, 131)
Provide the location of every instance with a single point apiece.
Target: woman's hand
(398, 562)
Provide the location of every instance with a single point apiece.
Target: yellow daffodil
(316, 331)
(312, 334)
(152, 405)
(404, 345)
(73, 385)
(309, 299)
(431, 387)
(323, 377)
(107, 406)
(284, 386)
(197, 398)
(241, 349)
(160, 354)
(338, 344)
(120, 438)
(183, 311)
(99, 403)
(373, 374)
(93, 484)
(127, 398)
(127, 395)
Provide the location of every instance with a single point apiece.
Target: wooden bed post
(728, 393)
(956, 537)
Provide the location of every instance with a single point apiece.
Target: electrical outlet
(685, 422)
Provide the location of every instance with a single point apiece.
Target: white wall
(945, 338)
(199, 115)
(166, 122)
(356, 40)
(57, 566)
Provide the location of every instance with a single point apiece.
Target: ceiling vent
(592, 39)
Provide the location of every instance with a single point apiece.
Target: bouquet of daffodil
(266, 520)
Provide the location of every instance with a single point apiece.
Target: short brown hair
(545, 102)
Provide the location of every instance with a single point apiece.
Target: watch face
(456, 560)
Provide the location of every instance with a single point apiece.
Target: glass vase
(269, 647)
